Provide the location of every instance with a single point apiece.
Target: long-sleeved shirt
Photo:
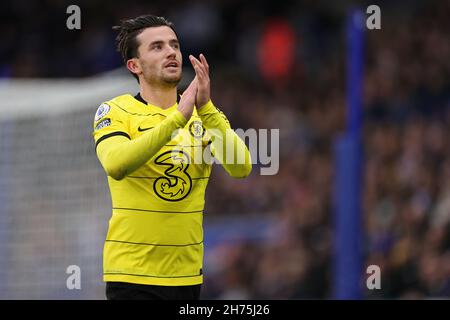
(157, 178)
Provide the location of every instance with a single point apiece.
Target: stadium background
(267, 237)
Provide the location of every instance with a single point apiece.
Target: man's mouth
(172, 64)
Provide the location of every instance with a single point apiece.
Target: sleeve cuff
(207, 108)
(179, 119)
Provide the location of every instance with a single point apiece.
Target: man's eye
(157, 47)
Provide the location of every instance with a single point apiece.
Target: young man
(154, 244)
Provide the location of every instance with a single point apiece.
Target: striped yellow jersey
(155, 234)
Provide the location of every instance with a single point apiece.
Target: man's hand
(186, 105)
(201, 68)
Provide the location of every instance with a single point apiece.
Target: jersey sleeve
(223, 139)
(109, 121)
(118, 152)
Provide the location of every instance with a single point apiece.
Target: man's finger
(194, 64)
(199, 73)
(201, 67)
(204, 62)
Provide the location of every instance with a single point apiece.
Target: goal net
(55, 202)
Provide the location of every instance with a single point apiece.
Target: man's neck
(163, 97)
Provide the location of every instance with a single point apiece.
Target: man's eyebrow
(161, 42)
(156, 42)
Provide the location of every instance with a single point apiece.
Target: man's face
(159, 56)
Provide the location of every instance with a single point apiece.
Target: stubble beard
(171, 81)
(162, 80)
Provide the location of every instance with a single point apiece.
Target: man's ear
(134, 66)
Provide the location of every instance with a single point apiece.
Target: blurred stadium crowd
(407, 124)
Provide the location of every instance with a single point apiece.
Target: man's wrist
(179, 118)
(206, 108)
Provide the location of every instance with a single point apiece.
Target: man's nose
(171, 53)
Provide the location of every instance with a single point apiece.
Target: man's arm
(120, 156)
(224, 139)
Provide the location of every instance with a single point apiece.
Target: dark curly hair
(129, 29)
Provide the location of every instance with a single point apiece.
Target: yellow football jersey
(155, 234)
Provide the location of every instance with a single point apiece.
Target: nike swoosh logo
(143, 129)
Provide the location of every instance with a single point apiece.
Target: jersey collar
(139, 98)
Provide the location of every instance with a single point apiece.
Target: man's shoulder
(119, 105)
(116, 107)
(124, 101)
